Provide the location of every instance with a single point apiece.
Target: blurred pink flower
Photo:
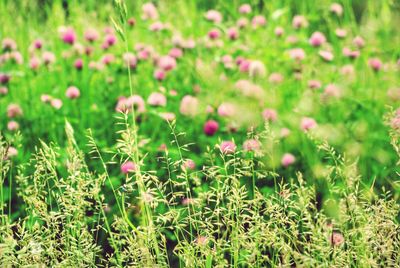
(317, 39)
(91, 35)
(68, 35)
(279, 31)
(326, 55)
(12, 126)
(159, 75)
(8, 44)
(337, 239)
(287, 160)
(78, 64)
(307, 123)
(3, 90)
(359, 42)
(214, 16)
(189, 105)
(166, 63)
(48, 57)
(233, 33)
(226, 109)
(228, 147)
(34, 63)
(210, 127)
(149, 11)
(129, 59)
(337, 9)
(72, 92)
(314, 84)
(189, 164)
(245, 9)
(299, 21)
(297, 54)
(251, 145)
(214, 34)
(128, 167)
(14, 110)
(375, 64)
(258, 21)
(157, 99)
(56, 103)
(270, 115)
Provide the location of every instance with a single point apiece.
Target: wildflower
(56, 104)
(159, 75)
(78, 64)
(270, 115)
(168, 116)
(314, 84)
(147, 198)
(107, 59)
(34, 63)
(73, 92)
(337, 9)
(242, 22)
(189, 105)
(214, 16)
(326, 55)
(129, 60)
(68, 35)
(308, 123)
(341, 33)
(37, 44)
(131, 22)
(233, 33)
(297, 54)
(128, 167)
(14, 110)
(258, 21)
(257, 69)
(4, 78)
(189, 164)
(251, 145)
(210, 127)
(12, 126)
(201, 240)
(157, 99)
(285, 132)
(91, 35)
(245, 9)
(337, 239)
(299, 21)
(287, 160)
(394, 94)
(228, 147)
(11, 152)
(359, 41)
(149, 11)
(166, 63)
(48, 57)
(8, 44)
(279, 31)
(175, 52)
(226, 109)
(375, 64)
(156, 26)
(275, 78)
(332, 91)
(214, 34)
(3, 90)
(317, 39)
(45, 98)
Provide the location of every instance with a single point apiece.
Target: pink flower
(251, 145)
(156, 26)
(317, 39)
(336, 238)
(175, 52)
(242, 22)
(233, 33)
(68, 35)
(14, 110)
(131, 22)
(159, 75)
(189, 105)
(332, 91)
(11, 152)
(299, 22)
(308, 123)
(126, 104)
(228, 147)
(37, 44)
(270, 115)
(275, 78)
(359, 42)
(12, 126)
(326, 55)
(257, 69)
(210, 127)
(287, 160)
(189, 164)
(129, 60)
(314, 84)
(341, 33)
(258, 21)
(45, 98)
(166, 63)
(78, 64)
(214, 34)
(128, 167)
(149, 11)
(337, 9)
(4, 78)
(91, 35)
(297, 54)
(3, 90)
(245, 9)
(107, 59)
(375, 64)
(285, 132)
(214, 16)
(8, 44)
(34, 63)
(226, 109)
(73, 92)
(168, 116)
(157, 99)
(279, 31)
(48, 57)
(56, 103)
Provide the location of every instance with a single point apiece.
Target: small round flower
(233, 33)
(275, 78)
(130, 60)
(131, 22)
(78, 64)
(226, 109)
(8, 44)
(189, 105)
(56, 104)
(34, 63)
(168, 116)
(257, 69)
(4, 78)
(3, 90)
(48, 57)
(337, 239)
(228, 147)
(332, 90)
(68, 35)
(341, 33)
(308, 123)
(297, 54)
(157, 99)
(45, 98)
(287, 160)
(270, 115)
(242, 22)
(12, 126)
(159, 75)
(149, 11)
(214, 34)
(337, 9)
(359, 42)
(258, 21)
(285, 132)
(91, 35)
(128, 167)
(73, 92)
(11, 152)
(375, 64)
(166, 63)
(317, 39)
(210, 127)
(14, 110)
(214, 16)
(245, 9)
(326, 55)
(189, 164)
(175, 52)
(157, 26)
(110, 39)
(279, 31)
(251, 145)
(37, 44)
(314, 84)
(299, 21)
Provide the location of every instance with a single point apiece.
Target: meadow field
(199, 133)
